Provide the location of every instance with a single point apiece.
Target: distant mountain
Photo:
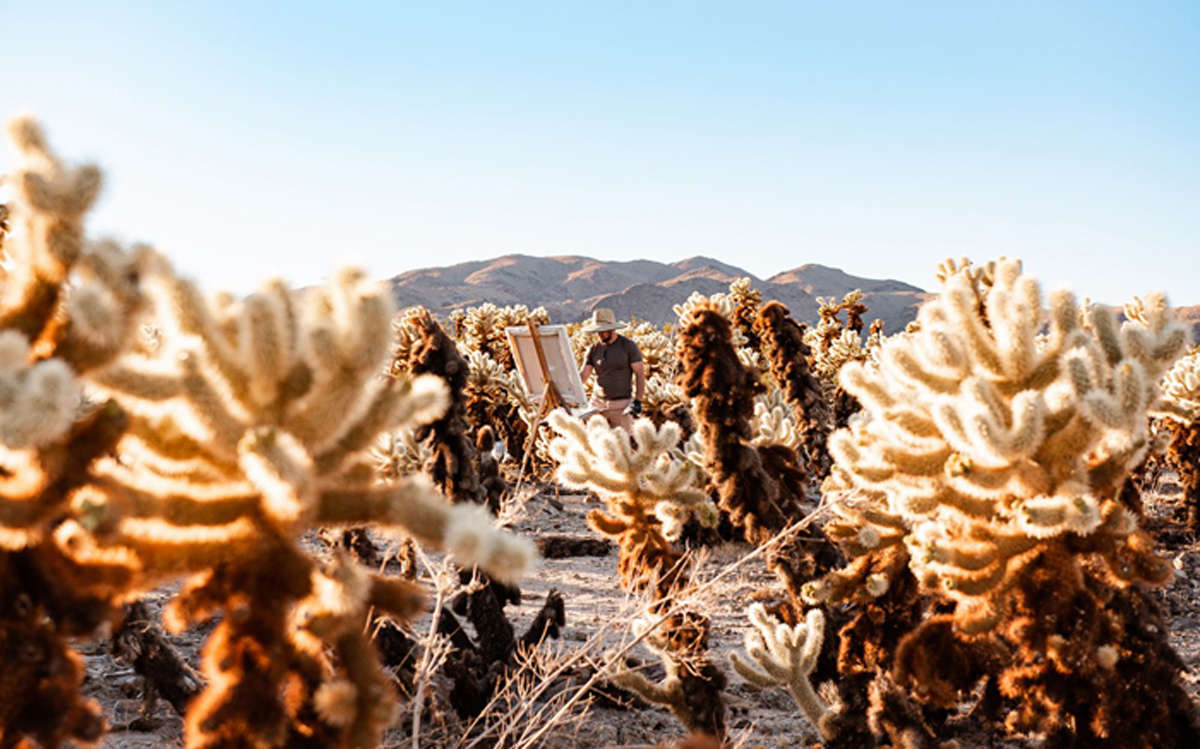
(1191, 317)
(570, 287)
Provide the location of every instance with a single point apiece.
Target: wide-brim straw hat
(602, 319)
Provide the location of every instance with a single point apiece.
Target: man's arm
(585, 373)
(639, 379)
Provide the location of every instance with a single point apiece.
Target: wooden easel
(551, 399)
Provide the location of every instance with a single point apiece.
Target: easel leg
(543, 410)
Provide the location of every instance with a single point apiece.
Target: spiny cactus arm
(606, 524)
(185, 310)
(278, 466)
(74, 557)
(399, 401)
(783, 655)
(99, 318)
(37, 484)
(1154, 336)
(117, 492)
(38, 401)
(174, 457)
(976, 424)
(266, 342)
(414, 506)
(668, 692)
(138, 380)
(51, 202)
(167, 550)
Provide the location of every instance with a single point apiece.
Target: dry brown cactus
(722, 392)
(452, 465)
(783, 345)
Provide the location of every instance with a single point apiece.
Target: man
(616, 360)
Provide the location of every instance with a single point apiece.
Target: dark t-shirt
(612, 364)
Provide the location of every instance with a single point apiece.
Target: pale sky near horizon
(246, 139)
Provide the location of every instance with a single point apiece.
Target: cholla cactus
(52, 330)
(665, 401)
(1181, 401)
(991, 449)
(785, 655)
(658, 349)
(495, 396)
(719, 303)
(405, 338)
(251, 424)
(482, 328)
(1181, 388)
(773, 425)
(400, 453)
(783, 345)
(650, 493)
(833, 347)
(723, 393)
(691, 687)
(452, 465)
(760, 487)
(746, 302)
(994, 457)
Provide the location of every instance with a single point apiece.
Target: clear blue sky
(251, 138)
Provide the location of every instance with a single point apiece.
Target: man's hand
(634, 408)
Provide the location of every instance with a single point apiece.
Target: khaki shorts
(614, 412)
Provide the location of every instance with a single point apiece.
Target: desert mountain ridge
(571, 286)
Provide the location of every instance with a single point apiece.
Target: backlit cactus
(49, 437)
(990, 446)
(992, 454)
(246, 424)
(650, 493)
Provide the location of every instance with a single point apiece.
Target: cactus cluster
(481, 328)
(988, 456)
(991, 446)
(248, 424)
(978, 493)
